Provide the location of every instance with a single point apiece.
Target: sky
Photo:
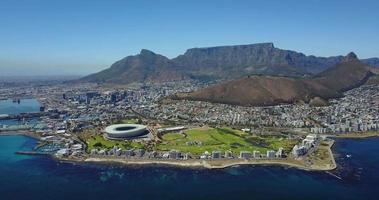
(79, 37)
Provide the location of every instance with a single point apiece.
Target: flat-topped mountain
(272, 90)
(262, 58)
(224, 62)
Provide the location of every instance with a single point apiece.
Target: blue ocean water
(19, 122)
(26, 105)
(40, 177)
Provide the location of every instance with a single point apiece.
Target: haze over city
(41, 37)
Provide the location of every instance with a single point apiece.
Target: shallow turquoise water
(10, 144)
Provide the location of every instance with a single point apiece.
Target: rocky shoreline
(209, 164)
(212, 164)
(192, 163)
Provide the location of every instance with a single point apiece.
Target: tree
(98, 144)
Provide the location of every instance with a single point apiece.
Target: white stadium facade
(125, 131)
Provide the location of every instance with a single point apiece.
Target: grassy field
(94, 139)
(128, 121)
(321, 156)
(99, 142)
(223, 139)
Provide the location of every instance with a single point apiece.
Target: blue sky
(51, 37)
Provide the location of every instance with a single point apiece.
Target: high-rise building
(256, 154)
(245, 155)
(216, 154)
(270, 154)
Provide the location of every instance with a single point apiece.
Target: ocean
(41, 177)
(25, 105)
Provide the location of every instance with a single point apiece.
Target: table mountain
(272, 90)
(261, 58)
(224, 62)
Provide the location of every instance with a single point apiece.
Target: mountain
(348, 74)
(257, 90)
(373, 62)
(272, 90)
(146, 66)
(223, 62)
(262, 58)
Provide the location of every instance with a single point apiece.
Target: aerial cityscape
(223, 120)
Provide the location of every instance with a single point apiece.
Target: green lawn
(173, 137)
(99, 142)
(128, 121)
(221, 139)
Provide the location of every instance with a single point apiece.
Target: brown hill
(346, 75)
(260, 90)
(270, 90)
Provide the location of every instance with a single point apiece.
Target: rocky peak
(148, 56)
(147, 52)
(350, 57)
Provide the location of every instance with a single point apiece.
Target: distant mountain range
(224, 62)
(272, 90)
(373, 62)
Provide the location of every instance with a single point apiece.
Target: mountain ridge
(210, 63)
(269, 90)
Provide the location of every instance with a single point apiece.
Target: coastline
(207, 164)
(357, 135)
(220, 163)
(21, 132)
(332, 155)
(196, 163)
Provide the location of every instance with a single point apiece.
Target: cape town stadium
(125, 131)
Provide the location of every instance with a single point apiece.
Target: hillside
(146, 66)
(224, 62)
(346, 75)
(258, 90)
(269, 90)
